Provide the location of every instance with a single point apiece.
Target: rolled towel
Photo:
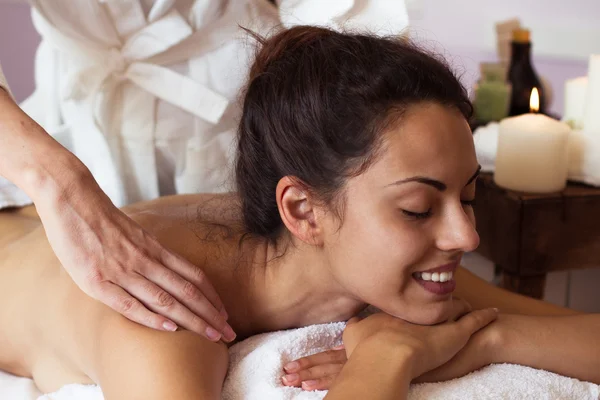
(486, 144)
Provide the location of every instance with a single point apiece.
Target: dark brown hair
(315, 106)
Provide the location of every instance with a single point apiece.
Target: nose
(457, 232)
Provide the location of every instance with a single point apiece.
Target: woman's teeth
(435, 276)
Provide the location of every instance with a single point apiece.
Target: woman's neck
(282, 287)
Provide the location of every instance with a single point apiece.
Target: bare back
(51, 331)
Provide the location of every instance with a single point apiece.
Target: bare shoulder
(192, 225)
(141, 363)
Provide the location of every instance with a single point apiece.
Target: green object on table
(492, 99)
(492, 72)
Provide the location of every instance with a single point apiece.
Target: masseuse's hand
(318, 371)
(114, 260)
(108, 255)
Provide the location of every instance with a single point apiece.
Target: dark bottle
(522, 76)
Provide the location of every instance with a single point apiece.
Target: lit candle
(532, 152)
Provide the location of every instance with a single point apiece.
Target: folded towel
(584, 153)
(507, 382)
(256, 367)
(256, 364)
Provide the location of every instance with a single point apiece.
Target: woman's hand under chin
(482, 349)
(318, 371)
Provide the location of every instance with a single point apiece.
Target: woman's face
(410, 212)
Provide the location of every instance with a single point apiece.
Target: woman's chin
(429, 315)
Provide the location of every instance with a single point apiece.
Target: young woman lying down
(356, 177)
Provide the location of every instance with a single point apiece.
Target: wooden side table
(529, 235)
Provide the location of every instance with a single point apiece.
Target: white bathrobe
(146, 92)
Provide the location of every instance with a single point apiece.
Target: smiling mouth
(438, 283)
(434, 276)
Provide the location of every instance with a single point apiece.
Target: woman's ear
(297, 209)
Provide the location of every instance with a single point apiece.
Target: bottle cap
(521, 35)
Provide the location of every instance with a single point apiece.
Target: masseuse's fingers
(196, 276)
(123, 303)
(158, 300)
(176, 291)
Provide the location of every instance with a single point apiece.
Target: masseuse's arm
(108, 255)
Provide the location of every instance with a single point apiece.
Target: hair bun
(288, 40)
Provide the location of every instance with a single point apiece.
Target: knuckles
(165, 300)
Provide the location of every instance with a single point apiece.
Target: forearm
(481, 294)
(373, 373)
(565, 345)
(32, 159)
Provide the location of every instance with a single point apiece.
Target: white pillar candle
(591, 121)
(532, 154)
(575, 96)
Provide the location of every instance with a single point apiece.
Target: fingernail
(340, 347)
(291, 378)
(169, 326)
(291, 366)
(229, 333)
(212, 334)
(223, 313)
(308, 384)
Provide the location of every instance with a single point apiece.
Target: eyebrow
(441, 186)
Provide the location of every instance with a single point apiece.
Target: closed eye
(417, 215)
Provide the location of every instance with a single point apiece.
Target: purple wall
(18, 42)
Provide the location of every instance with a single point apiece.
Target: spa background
(564, 33)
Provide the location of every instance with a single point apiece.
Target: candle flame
(534, 100)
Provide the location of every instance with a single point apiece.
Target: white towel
(486, 143)
(12, 196)
(584, 153)
(257, 364)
